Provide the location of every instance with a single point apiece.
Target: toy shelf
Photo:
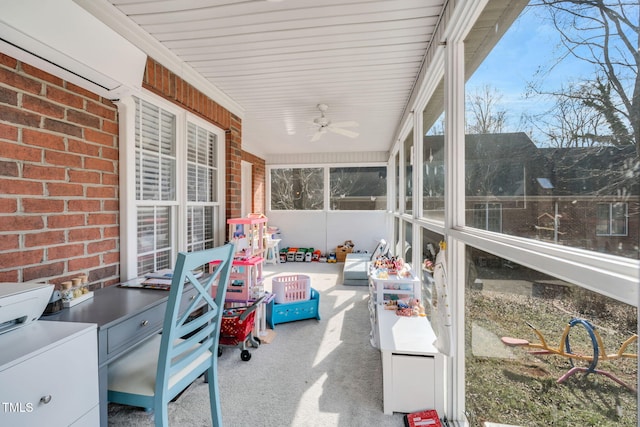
(394, 287)
(245, 279)
(249, 235)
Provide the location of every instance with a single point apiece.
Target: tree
(570, 122)
(604, 34)
(484, 115)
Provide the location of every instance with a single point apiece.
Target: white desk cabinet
(412, 368)
(49, 375)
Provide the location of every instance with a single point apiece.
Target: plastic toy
(564, 350)
(236, 329)
(332, 257)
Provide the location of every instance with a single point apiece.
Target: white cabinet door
(54, 387)
(413, 383)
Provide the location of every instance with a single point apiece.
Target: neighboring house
(565, 195)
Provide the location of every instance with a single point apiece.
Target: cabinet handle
(144, 323)
(45, 399)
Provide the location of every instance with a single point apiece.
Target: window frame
(610, 219)
(609, 275)
(128, 201)
(326, 169)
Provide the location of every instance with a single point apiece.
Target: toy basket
(291, 288)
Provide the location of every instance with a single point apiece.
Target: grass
(524, 390)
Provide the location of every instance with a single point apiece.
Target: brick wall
(59, 206)
(259, 182)
(58, 179)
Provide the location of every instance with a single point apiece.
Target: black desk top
(111, 304)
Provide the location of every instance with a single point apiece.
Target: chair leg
(161, 414)
(214, 398)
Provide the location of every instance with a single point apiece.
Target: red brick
(64, 97)
(83, 263)
(21, 258)
(11, 78)
(111, 258)
(84, 234)
(110, 127)
(110, 179)
(47, 238)
(101, 246)
(19, 116)
(65, 251)
(42, 205)
(99, 137)
(82, 118)
(111, 206)
(101, 192)
(8, 132)
(84, 177)
(9, 276)
(9, 242)
(65, 221)
(43, 271)
(60, 190)
(42, 139)
(101, 110)
(8, 61)
(20, 222)
(84, 205)
(43, 173)
(110, 153)
(8, 96)
(99, 164)
(16, 186)
(111, 232)
(20, 152)
(62, 127)
(42, 75)
(82, 147)
(101, 219)
(9, 169)
(41, 106)
(9, 206)
(81, 91)
(61, 158)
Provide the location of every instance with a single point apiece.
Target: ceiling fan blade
(343, 132)
(316, 136)
(349, 124)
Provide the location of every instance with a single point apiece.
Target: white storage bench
(412, 368)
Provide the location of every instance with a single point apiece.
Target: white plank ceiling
(279, 59)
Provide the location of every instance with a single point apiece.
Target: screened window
(556, 139)
(408, 173)
(433, 156)
(297, 189)
(550, 161)
(358, 188)
(612, 219)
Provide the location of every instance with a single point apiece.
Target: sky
(530, 43)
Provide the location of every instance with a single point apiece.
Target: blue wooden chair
(158, 370)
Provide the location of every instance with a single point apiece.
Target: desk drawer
(142, 325)
(136, 328)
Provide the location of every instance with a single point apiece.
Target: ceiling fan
(325, 125)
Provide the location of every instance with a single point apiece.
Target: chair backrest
(190, 342)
